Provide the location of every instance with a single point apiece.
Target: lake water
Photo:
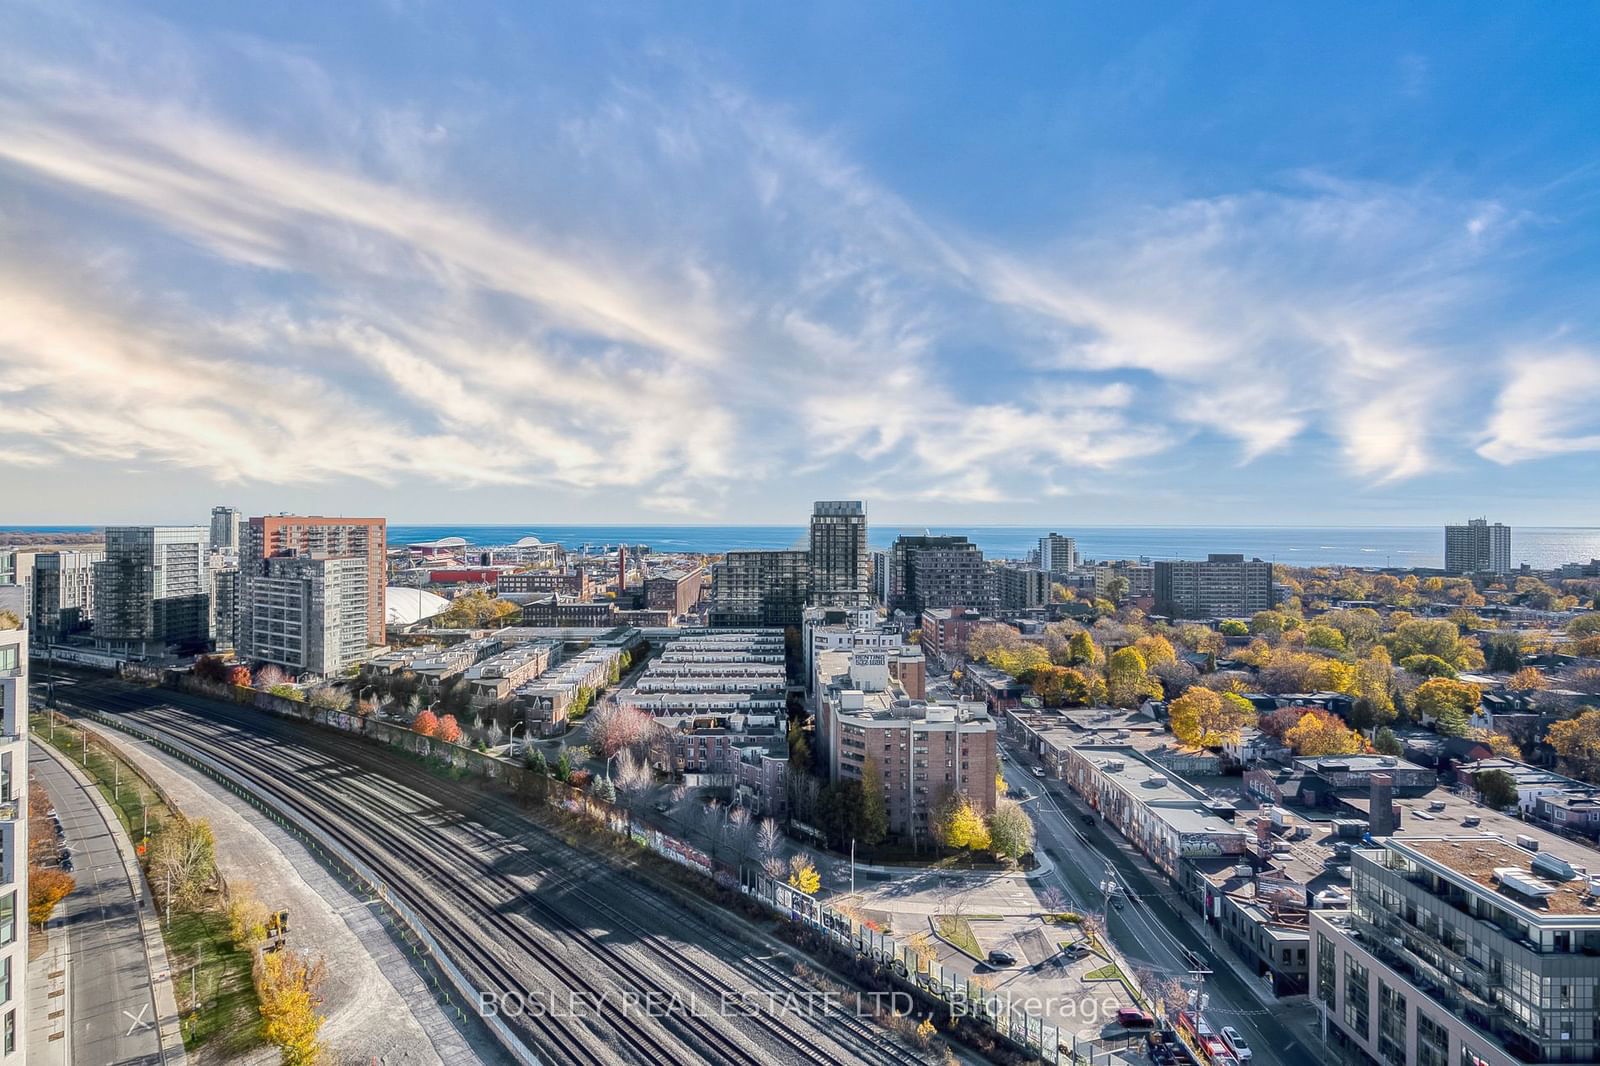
(1540, 547)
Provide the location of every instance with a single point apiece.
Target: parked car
(1038, 771)
(1134, 1018)
(1236, 1043)
(1002, 958)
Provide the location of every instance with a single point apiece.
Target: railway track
(303, 777)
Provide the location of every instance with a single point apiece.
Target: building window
(1391, 1025)
(1433, 1042)
(11, 1031)
(8, 917)
(1356, 994)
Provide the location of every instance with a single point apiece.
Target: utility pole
(852, 866)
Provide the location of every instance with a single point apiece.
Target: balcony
(10, 810)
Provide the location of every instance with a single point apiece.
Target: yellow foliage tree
(803, 875)
(1202, 718)
(1577, 741)
(288, 986)
(1320, 733)
(1528, 679)
(958, 825)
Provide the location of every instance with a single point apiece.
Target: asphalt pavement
(110, 1001)
(1151, 933)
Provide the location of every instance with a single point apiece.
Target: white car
(1038, 771)
(1236, 1043)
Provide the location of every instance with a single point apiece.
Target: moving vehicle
(1134, 1018)
(1038, 771)
(1002, 958)
(1236, 1043)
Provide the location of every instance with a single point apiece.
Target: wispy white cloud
(1550, 406)
(696, 291)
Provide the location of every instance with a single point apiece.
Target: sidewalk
(170, 1034)
(49, 1035)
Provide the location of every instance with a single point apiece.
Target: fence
(962, 997)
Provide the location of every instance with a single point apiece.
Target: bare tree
(741, 831)
(769, 842)
(613, 728)
(633, 780)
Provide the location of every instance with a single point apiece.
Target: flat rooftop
(1478, 858)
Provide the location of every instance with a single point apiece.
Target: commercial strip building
(1464, 948)
(151, 590)
(13, 839)
(306, 612)
(363, 538)
(923, 751)
(574, 583)
(1223, 586)
(1477, 548)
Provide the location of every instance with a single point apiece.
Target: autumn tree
(1128, 680)
(1010, 830)
(1587, 680)
(1232, 627)
(615, 727)
(1427, 666)
(183, 860)
(1448, 703)
(1320, 733)
(239, 676)
(1202, 718)
(1326, 637)
(803, 875)
(1436, 637)
(990, 637)
(1528, 679)
(1577, 742)
(958, 825)
(632, 778)
(449, 730)
(1061, 686)
(1279, 722)
(426, 723)
(47, 886)
(288, 985)
(1155, 649)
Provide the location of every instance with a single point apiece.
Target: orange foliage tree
(426, 723)
(449, 731)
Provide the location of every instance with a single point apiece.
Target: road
(110, 1004)
(1150, 933)
(607, 970)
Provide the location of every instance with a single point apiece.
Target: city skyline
(625, 267)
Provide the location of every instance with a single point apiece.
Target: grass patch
(958, 931)
(212, 981)
(1064, 918)
(1108, 972)
(217, 1001)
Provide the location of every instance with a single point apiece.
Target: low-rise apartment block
(495, 678)
(1463, 948)
(575, 584)
(546, 700)
(715, 679)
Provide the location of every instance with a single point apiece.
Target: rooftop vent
(1523, 883)
(1557, 869)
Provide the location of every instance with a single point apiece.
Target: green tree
(1326, 638)
(1427, 666)
(1232, 627)
(564, 766)
(1010, 830)
(874, 808)
(1080, 649)
(534, 760)
(1496, 788)
(1386, 743)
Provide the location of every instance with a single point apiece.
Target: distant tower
(622, 567)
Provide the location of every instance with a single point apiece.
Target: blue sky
(1035, 264)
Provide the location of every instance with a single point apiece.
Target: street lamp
(511, 737)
